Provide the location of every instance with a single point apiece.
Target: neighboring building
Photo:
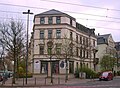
(106, 46)
(117, 46)
(55, 31)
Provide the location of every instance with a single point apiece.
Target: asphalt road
(115, 83)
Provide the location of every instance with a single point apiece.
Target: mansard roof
(82, 28)
(54, 12)
(117, 46)
(103, 39)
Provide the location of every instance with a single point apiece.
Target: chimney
(98, 34)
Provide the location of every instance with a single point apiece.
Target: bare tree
(13, 39)
(68, 51)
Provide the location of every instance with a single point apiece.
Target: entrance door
(55, 67)
(71, 67)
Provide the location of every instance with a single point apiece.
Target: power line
(89, 26)
(98, 20)
(80, 5)
(62, 10)
(22, 6)
(65, 11)
(14, 19)
(93, 15)
(104, 27)
(76, 18)
(10, 11)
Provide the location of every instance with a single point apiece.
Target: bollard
(45, 80)
(12, 81)
(35, 80)
(58, 80)
(23, 81)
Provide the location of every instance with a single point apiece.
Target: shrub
(118, 73)
(20, 69)
(77, 73)
(23, 75)
(89, 72)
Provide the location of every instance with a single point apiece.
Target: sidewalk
(43, 81)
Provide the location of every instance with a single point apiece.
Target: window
(55, 67)
(81, 52)
(80, 39)
(87, 54)
(71, 35)
(76, 51)
(87, 42)
(84, 53)
(44, 67)
(42, 34)
(41, 49)
(58, 20)
(50, 20)
(71, 51)
(49, 50)
(58, 48)
(42, 20)
(49, 33)
(83, 40)
(93, 42)
(58, 33)
(76, 38)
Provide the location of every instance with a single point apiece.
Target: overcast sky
(105, 19)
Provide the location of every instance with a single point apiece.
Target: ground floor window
(55, 67)
(44, 66)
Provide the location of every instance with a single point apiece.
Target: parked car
(1, 78)
(106, 76)
(7, 73)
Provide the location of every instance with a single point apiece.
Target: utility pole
(28, 12)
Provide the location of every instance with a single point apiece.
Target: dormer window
(58, 20)
(71, 22)
(50, 20)
(42, 20)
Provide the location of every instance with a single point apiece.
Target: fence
(36, 81)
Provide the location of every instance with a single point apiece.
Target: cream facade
(106, 46)
(58, 43)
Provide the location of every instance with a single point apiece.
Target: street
(115, 83)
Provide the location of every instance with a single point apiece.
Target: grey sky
(73, 10)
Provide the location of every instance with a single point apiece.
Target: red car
(106, 76)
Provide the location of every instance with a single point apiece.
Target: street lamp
(94, 58)
(50, 44)
(27, 41)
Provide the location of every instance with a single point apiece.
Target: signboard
(36, 64)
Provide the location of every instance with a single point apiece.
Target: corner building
(58, 41)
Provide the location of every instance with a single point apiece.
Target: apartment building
(117, 46)
(59, 42)
(106, 46)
